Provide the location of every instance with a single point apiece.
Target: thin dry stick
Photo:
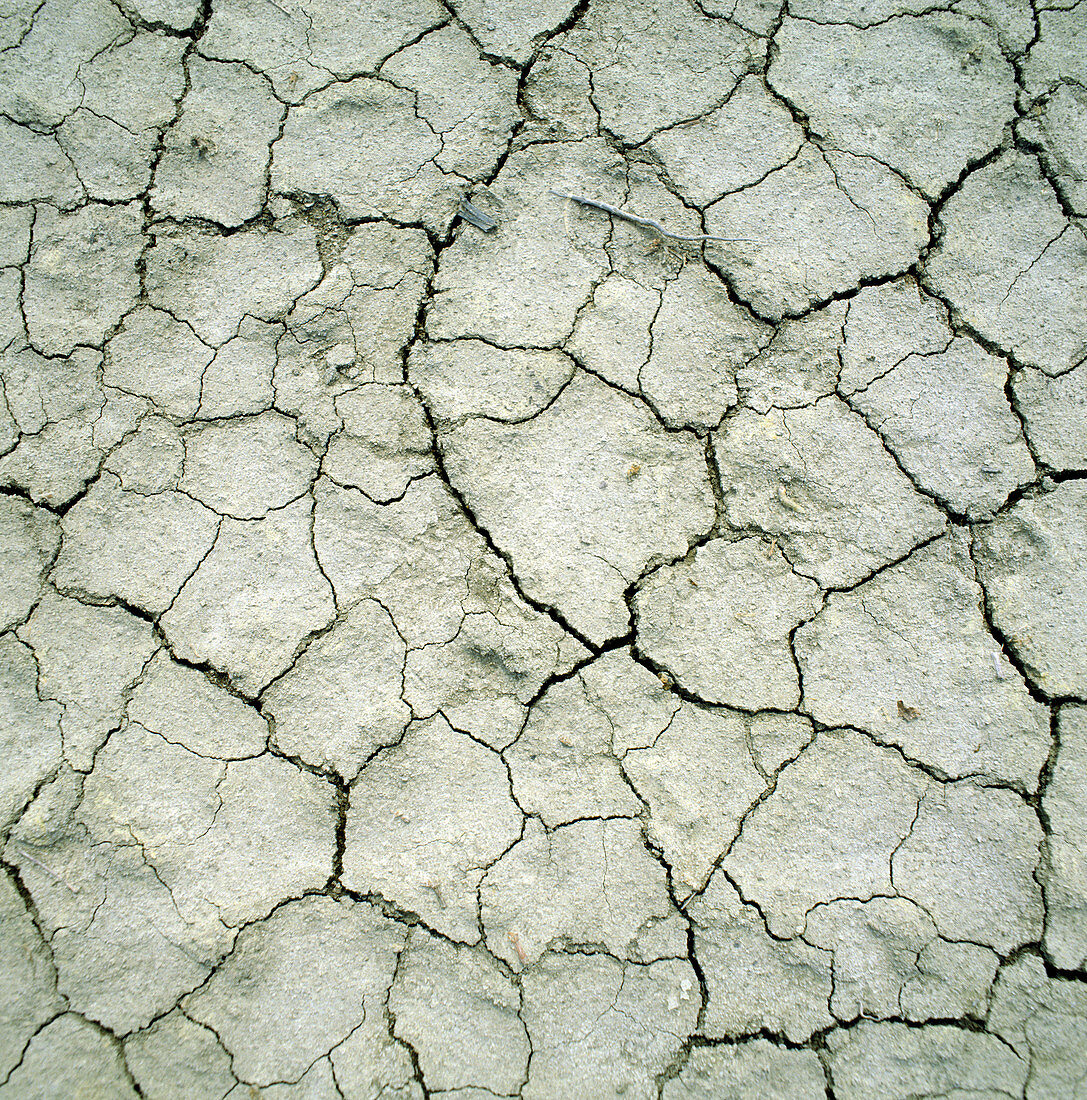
(645, 223)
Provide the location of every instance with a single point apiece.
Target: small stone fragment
(29, 540)
(1032, 561)
(602, 1027)
(247, 467)
(139, 548)
(756, 982)
(828, 830)
(523, 286)
(459, 1012)
(341, 701)
(254, 599)
(969, 861)
(1064, 874)
(756, 1070)
(335, 957)
(185, 707)
(818, 480)
(937, 1060)
(426, 817)
(82, 276)
(560, 500)
(70, 1057)
(908, 657)
(946, 419)
(726, 635)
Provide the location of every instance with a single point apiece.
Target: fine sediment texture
(543, 553)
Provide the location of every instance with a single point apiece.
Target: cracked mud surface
(554, 662)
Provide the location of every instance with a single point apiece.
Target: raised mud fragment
(426, 818)
(87, 660)
(828, 830)
(700, 342)
(29, 995)
(580, 512)
(1043, 1019)
(944, 114)
(590, 882)
(757, 1070)
(342, 700)
(597, 1024)
(720, 623)
(1012, 265)
(756, 982)
(1063, 874)
(654, 69)
(339, 956)
(82, 275)
(29, 540)
(64, 1057)
(254, 599)
(945, 418)
(215, 156)
(940, 1059)
(460, 1013)
(908, 657)
(1032, 562)
(970, 861)
(139, 548)
(819, 481)
(819, 225)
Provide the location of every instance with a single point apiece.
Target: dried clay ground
(560, 661)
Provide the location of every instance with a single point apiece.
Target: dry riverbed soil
(559, 661)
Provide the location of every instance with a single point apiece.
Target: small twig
(645, 223)
(60, 878)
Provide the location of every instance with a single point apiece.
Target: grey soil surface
(559, 660)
